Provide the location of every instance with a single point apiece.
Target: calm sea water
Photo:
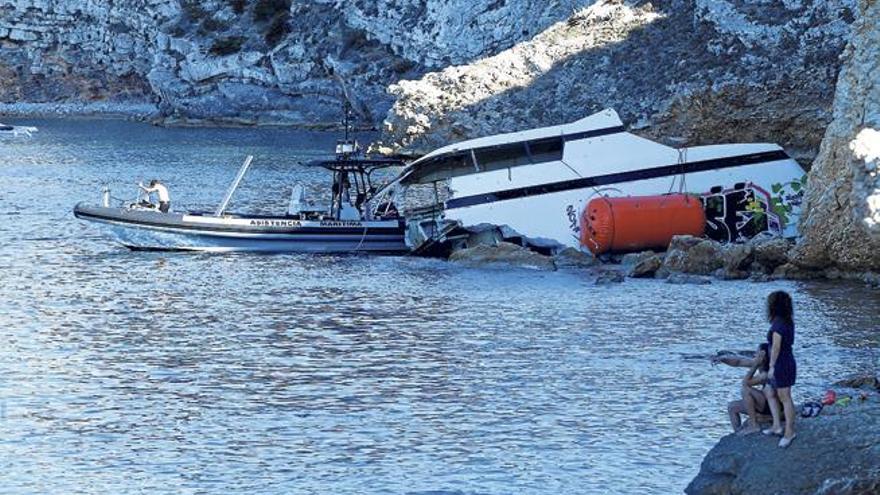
(129, 372)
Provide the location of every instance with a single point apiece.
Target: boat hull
(553, 217)
(153, 230)
(536, 183)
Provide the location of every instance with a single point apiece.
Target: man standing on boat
(161, 191)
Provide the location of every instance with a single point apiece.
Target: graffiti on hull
(740, 213)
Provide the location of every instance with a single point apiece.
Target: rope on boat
(364, 236)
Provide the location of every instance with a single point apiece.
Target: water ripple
(193, 373)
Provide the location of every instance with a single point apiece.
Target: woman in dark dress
(783, 369)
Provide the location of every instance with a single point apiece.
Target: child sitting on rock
(753, 403)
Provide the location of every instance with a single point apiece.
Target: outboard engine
(297, 199)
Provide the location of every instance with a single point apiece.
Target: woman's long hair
(779, 306)
(765, 364)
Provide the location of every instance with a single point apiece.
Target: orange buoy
(637, 223)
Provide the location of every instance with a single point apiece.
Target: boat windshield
(352, 180)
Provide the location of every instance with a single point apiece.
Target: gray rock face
(757, 259)
(697, 258)
(790, 271)
(837, 452)
(439, 33)
(705, 70)
(646, 267)
(572, 258)
(631, 259)
(771, 253)
(502, 255)
(738, 257)
(607, 277)
(261, 62)
(80, 51)
(841, 222)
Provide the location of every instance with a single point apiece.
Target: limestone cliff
(732, 70)
(841, 224)
(77, 51)
(704, 70)
(239, 61)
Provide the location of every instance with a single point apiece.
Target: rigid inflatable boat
(354, 222)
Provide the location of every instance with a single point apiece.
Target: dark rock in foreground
(647, 267)
(864, 381)
(837, 452)
(607, 277)
(684, 278)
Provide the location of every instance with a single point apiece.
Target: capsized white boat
(352, 223)
(535, 183)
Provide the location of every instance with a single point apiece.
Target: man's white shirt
(160, 191)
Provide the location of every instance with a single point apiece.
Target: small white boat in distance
(16, 130)
(536, 183)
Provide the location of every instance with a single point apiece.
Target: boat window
(546, 150)
(500, 157)
(444, 166)
(490, 158)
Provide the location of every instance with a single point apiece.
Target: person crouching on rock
(783, 368)
(753, 401)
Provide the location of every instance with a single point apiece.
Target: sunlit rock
(692, 255)
(707, 71)
(837, 452)
(839, 225)
(503, 254)
(572, 258)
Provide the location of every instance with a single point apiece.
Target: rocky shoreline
(688, 260)
(837, 452)
(148, 112)
(801, 74)
(98, 109)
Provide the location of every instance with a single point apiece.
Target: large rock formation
(704, 70)
(837, 452)
(234, 61)
(78, 51)
(841, 224)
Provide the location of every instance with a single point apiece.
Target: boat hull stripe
(334, 231)
(616, 178)
(589, 134)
